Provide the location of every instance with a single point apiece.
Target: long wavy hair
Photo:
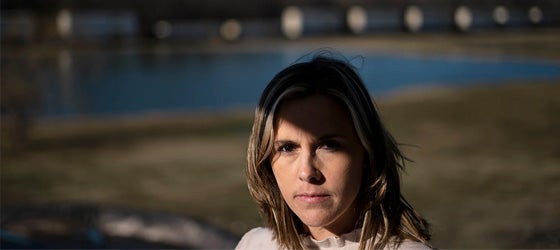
(385, 216)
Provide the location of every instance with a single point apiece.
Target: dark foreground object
(84, 226)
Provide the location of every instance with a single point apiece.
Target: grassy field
(485, 172)
(487, 161)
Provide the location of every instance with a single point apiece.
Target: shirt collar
(334, 241)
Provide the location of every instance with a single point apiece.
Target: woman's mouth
(312, 197)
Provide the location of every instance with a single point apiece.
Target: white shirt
(262, 238)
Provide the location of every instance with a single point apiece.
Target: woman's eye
(287, 148)
(331, 145)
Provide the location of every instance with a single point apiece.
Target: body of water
(118, 83)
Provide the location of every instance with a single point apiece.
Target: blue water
(112, 84)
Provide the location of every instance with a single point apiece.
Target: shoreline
(189, 123)
(542, 44)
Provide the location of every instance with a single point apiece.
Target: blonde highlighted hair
(385, 216)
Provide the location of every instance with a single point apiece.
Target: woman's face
(318, 162)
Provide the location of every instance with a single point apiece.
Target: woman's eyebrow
(283, 141)
(330, 136)
(321, 138)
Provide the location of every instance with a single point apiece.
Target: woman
(323, 169)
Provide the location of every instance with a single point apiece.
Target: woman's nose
(308, 170)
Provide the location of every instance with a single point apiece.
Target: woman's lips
(312, 197)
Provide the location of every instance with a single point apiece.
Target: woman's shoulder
(410, 244)
(258, 232)
(257, 238)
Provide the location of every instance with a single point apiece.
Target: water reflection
(109, 83)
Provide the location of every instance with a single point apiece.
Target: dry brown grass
(486, 163)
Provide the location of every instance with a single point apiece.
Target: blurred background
(124, 123)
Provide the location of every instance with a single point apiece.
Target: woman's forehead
(317, 114)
